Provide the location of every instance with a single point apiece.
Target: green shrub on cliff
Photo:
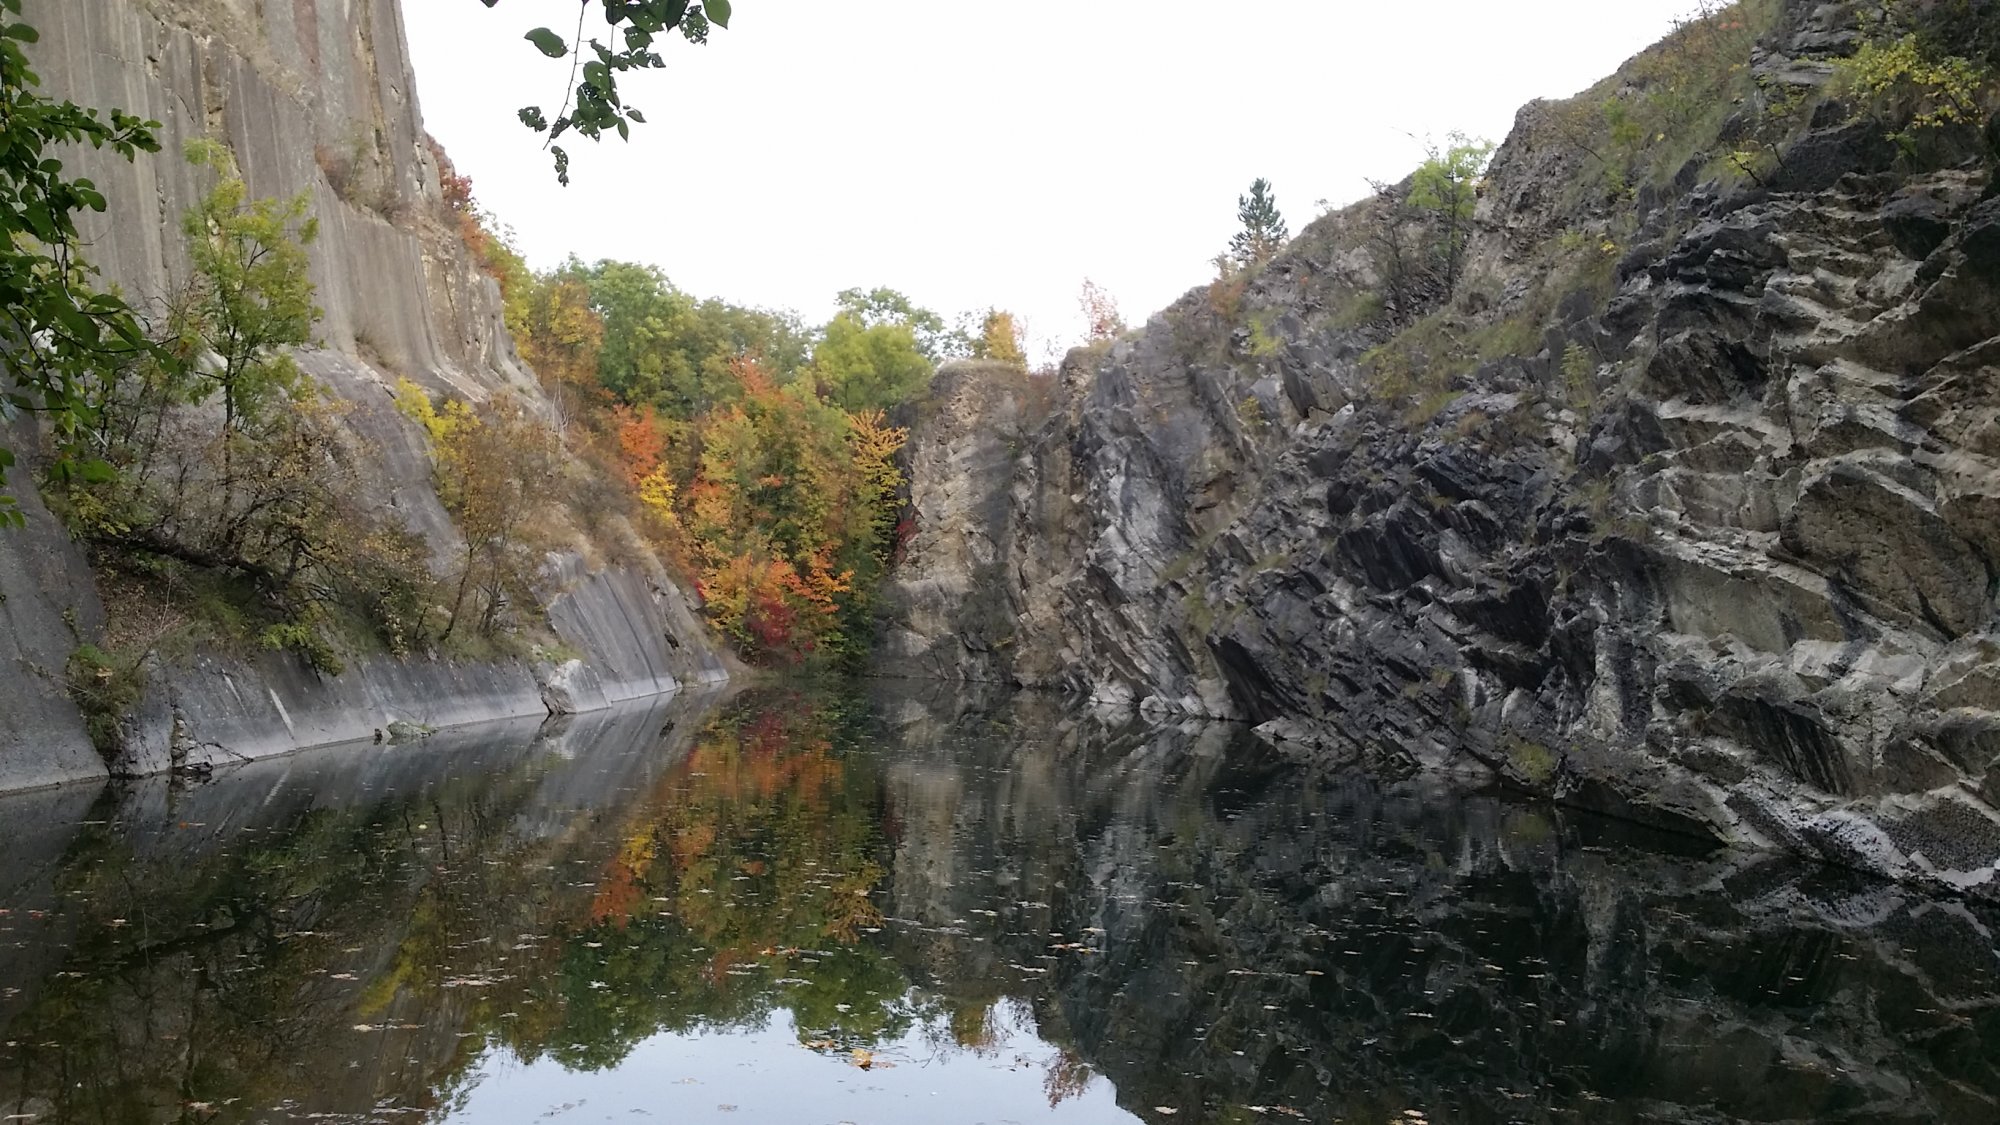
(105, 689)
(1908, 74)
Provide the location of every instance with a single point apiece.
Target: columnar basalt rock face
(1742, 585)
(313, 96)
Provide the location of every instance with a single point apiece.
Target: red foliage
(773, 622)
(457, 188)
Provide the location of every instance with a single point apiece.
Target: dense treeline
(751, 450)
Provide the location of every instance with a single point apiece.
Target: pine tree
(1263, 228)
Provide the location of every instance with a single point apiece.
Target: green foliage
(59, 336)
(1532, 762)
(1445, 190)
(882, 306)
(251, 297)
(592, 103)
(665, 348)
(1263, 232)
(305, 640)
(1426, 360)
(880, 350)
(870, 366)
(1250, 412)
(105, 689)
(1364, 308)
(1579, 369)
(1969, 29)
(1669, 103)
(1264, 340)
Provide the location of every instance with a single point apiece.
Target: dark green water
(803, 907)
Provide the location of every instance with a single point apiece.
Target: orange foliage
(767, 514)
(641, 445)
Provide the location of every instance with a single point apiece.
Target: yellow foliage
(656, 495)
(1944, 89)
(1000, 339)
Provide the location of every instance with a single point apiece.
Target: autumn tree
(662, 345)
(1000, 339)
(1100, 312)
(493, 467)
(1263, 232)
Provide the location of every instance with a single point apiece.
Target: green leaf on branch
(548, 42)
(718, 12)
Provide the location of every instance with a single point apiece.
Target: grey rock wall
(1745, 589)
(296, 89)
(44, 612)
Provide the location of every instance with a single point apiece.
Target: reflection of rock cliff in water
(1351, 950)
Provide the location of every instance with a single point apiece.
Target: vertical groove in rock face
(307, 93)
(1743, 587)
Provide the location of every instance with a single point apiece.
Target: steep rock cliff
(317, 96)
(1707, 537)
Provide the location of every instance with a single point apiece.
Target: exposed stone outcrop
(312, 96)
(1730, 569)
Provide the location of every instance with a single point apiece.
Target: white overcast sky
(986, 153)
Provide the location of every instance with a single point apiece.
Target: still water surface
(803, 906)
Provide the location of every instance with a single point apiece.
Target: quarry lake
(806, 905)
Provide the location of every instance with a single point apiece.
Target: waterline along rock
(1685, 506)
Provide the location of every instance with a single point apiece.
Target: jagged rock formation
(311, 96)
(1709, 538)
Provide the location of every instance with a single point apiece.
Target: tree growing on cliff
(260, 496)
(1100, 312)
(493, 466)
(250, 298)
(1445, 191)
(1263, 232)
(1000, 339)
(59, 335)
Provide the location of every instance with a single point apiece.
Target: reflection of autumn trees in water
(744, 887)
(447, 915)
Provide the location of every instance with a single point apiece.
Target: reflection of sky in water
(764, 1074)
